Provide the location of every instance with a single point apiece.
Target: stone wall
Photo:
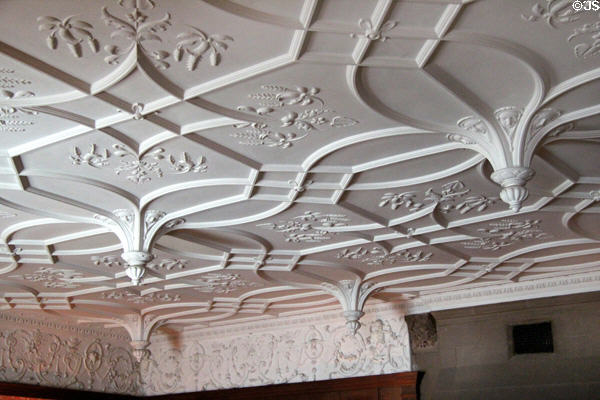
(473, 358)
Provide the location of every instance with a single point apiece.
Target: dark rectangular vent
(532, 338)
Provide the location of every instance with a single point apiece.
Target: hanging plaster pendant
(513, 182)
(136, 261)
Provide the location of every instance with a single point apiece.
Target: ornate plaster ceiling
(264, 158)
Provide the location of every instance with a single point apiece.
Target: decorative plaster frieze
(304, 228)
(313, 352)
(288, 107)
(514, 291)
(444, 199)
(75, 362)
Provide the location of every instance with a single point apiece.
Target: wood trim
(406, 384)
(400, 386)
(44, 392)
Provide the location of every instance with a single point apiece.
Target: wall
(42, 352)
(286, 350)
(473, 358)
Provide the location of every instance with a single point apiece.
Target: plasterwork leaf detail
(138, 168)
(557, 12)
(369, 31)
(290, 114)
(381, 257)
(506, 233)
(450, 197)
(310, 227)
(73, 32)
(221, 283)
(52, 278)
(133, 297)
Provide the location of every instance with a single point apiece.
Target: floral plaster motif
(586, 37)
(132, 24)
(381, 257)
(133, 297)
(291, 114)
(506, 233)
(373, 33)
(452, 196)
(220, 283)
(138, 168)
(310, 227)
(52, 277)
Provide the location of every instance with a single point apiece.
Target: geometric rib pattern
(256, 160)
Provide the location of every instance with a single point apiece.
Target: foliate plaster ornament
(195, 44)
(7, 81)
(506, 233)
(446, 199)
(11, 119)
(319, 351)
(453, 137)
(73, 32)
(133, 26)
(52, 277)
(298, 111)
(310, 227)
(133, 297)
(513, 180)
(369, 31)
(222, 283)
(557, 12)
(297, 187)
(381, 257)
(106, 261)
(168, 264)
(542, 118)
(138, 168)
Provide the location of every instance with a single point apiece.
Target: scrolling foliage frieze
(68, 362)
(315, 352)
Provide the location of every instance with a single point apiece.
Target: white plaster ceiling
(281, 156)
